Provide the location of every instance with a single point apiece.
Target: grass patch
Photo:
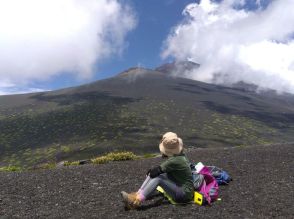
(73, 163)
(10, 168)
(48, 166)
(149, 155)
(114, 156)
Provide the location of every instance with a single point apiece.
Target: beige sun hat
(170, 144)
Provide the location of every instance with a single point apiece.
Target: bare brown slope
(263, 187)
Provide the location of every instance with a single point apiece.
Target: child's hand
(164, 156)
(156, 171)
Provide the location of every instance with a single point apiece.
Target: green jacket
(178, 169)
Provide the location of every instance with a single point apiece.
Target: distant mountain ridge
(132, 110)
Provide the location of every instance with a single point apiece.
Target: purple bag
(209, 187)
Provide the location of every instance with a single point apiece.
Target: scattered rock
(82, 162)
(60, 164)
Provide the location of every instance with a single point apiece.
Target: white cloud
(43, 38)
(234, 44)
(7, 88)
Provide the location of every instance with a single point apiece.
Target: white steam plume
(232, 44)
(44, 38)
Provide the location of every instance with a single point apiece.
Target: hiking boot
(131, 200)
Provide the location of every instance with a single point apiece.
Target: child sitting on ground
(173, 175)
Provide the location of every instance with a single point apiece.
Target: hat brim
(171, 152)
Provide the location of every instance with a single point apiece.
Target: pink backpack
(209, 187)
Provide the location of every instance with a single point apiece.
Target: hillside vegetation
(131, 111)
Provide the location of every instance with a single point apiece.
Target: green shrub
(48, 166)
(115, 156)
(10, 168)
(65, 149)
(100, 160)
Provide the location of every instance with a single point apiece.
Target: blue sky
(144, 43)
(56, 44)
(156, 18)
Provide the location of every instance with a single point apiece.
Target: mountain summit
(177, 67)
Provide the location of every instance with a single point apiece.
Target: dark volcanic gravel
(263, 187)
